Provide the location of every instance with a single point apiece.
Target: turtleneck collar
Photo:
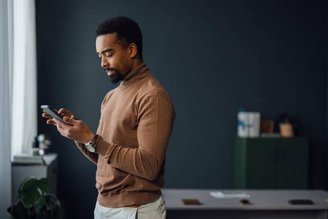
(135, 74)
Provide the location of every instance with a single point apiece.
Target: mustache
(110, 69)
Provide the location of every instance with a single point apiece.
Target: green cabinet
(271, 163)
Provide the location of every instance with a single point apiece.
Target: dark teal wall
(326, 46)
(214, 57)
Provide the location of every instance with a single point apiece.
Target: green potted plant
(35, 202)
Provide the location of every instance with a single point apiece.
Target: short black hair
(127, 30)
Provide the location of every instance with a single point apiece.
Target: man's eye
(108, 54)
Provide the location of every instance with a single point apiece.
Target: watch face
(91, 145)
(90, 148)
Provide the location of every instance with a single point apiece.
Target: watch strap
(94, 139)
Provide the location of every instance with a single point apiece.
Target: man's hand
(63, 112)
(74, 129)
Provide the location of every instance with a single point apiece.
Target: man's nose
(104, 62)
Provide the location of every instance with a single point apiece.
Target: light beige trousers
(153, 210)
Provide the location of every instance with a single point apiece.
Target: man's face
(115, 58)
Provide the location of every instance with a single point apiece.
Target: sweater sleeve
(155, 122)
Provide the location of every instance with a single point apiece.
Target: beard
(114, 75)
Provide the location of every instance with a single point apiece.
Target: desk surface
(260, 199)
(29, 160)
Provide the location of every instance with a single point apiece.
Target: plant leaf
(44, 185)
(31, 199)
(40, 204)
(30, 194)
(34, 197)
(26, 183)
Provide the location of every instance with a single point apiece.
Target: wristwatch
(91, 145)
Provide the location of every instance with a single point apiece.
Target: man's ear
(133, 50)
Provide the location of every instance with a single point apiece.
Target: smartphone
(53, 113)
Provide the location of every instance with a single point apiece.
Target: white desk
(268, 204)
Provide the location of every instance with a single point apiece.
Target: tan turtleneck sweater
(134, 128)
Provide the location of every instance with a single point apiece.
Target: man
(134, 128)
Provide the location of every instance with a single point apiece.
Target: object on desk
(218, 194)
(286, 128)
(44, 142)
(242, 124)
(301, 202)
(248, 124)
(35, 147)
(267, 126)
(245, 202)
(190, 201)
